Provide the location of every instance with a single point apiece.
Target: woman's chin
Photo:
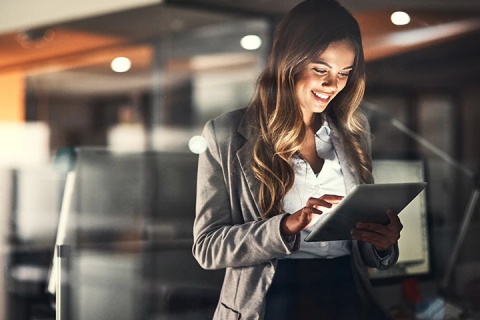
(319, 109)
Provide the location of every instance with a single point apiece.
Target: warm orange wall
(12, 97)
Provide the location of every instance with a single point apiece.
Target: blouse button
(323, 244)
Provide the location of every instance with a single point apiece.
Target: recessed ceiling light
(121, 64)
(400, 18)
(251, 42)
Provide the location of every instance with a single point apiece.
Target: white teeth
(320, 95)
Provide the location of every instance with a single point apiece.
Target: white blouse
(308, 184)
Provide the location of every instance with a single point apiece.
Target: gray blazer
(228, 230)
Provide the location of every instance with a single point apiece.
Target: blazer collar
(245, 128)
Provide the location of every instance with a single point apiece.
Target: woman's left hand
(380, 236)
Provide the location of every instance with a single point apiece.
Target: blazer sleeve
(371, 258)
(221, 238)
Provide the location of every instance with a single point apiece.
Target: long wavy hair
(304, 33)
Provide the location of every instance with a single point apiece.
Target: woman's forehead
(341, 52)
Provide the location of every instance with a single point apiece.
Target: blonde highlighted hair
(304, 33)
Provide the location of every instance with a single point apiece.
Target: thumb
(393, 217)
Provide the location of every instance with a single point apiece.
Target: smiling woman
(272, 169)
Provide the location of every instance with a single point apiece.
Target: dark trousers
(320, 289)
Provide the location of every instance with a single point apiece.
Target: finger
(367, 239)
(388, 236)
(332, 198)
(375, 227)
(308, 216)
(394, 219)
(379, 245)
(316, 202)
(311, 210)
(371, 236)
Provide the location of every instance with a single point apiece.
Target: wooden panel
(12, 97)
(65, 42)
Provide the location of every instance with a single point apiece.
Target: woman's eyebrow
(326, 64)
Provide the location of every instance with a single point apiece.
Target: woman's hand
(380, 236)
(308, 215)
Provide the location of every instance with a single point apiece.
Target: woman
(270, 170)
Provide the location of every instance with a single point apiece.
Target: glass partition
(129, 227)
(130, 230)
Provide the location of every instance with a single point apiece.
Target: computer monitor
(413, 244)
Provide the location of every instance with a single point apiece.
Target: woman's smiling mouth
(323, 97)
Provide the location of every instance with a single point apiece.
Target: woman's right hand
(308, 215)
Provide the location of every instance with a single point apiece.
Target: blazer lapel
(244, 156)
(349, 175)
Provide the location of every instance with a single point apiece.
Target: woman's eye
(320, 71)
(344, 74)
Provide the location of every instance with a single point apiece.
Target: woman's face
(324, 77)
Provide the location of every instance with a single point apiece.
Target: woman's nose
(330, 83)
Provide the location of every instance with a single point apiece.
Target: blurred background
(102, 104)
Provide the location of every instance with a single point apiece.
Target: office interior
(102, 106)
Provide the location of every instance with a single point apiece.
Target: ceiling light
(251, 42)
(400, 18)
(121, 64)
(197, 144)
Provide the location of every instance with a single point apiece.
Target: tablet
(364, 203)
